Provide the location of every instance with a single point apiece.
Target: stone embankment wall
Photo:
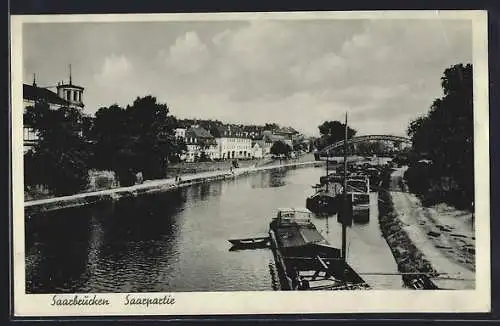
(154, 186)
(197, 167)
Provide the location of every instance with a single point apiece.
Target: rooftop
(198, 132)
(232, 131)
(34, 93)
(69, 85)
(286, 130)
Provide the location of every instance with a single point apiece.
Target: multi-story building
(269, 138)
(198, 141)
(180, 133)
(66, 95)
(265, 143)
(257, 150)
(233, 142)
(286, 132)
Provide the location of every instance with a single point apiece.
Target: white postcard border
(201, 303)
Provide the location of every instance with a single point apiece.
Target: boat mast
(344, 224)
(327, 181)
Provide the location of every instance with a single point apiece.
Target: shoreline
(152, 186)
(406, 254)
(407, 230)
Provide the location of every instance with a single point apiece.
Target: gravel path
(443, 234)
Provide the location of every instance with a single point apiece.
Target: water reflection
(277, 178)
(269, 179)
(62, 236)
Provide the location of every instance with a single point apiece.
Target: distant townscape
(219, 141)
(205, 139)
(142, 138)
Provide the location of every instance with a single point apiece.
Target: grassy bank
(408, 257)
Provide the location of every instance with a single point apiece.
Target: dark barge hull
(315, 258)
(322, 204)
(361, 215)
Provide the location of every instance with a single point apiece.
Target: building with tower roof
(70, 92)
(66, 95)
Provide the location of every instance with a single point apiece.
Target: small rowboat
(259, 242)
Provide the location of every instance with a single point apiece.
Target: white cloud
(113, 68)
(117, 82)
(188, 55)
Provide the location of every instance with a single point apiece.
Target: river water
(177, 241)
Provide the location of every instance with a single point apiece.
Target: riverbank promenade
(158, 185)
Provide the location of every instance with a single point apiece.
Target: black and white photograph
(158, 158)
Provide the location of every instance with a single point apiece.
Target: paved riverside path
(163, 184)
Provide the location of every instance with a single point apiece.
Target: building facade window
(75, 96)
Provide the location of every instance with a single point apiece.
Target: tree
(371, 148)
(203, 157)
(139, 138)
(332, 132)
(280, 148)
(203, 145)
(445, 136)
(60, 158)
(271, 126)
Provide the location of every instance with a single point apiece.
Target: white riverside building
(229, 142)
(233, 142)
(198, 140)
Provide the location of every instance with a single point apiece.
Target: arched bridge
(361, 139)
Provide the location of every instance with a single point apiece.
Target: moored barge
(304, 258)
(358, 187)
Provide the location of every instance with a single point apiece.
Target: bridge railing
(360, 139)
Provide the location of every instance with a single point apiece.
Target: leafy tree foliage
(332, 132)
(271, 126)
(445, 137)
(371, 147)
(60, 159)
(280, 148)
(204, 145)
(138, 138)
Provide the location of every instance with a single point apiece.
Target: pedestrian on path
(139, 178)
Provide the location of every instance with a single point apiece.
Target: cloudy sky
(298, 73)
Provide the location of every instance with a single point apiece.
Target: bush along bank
(408, 257)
